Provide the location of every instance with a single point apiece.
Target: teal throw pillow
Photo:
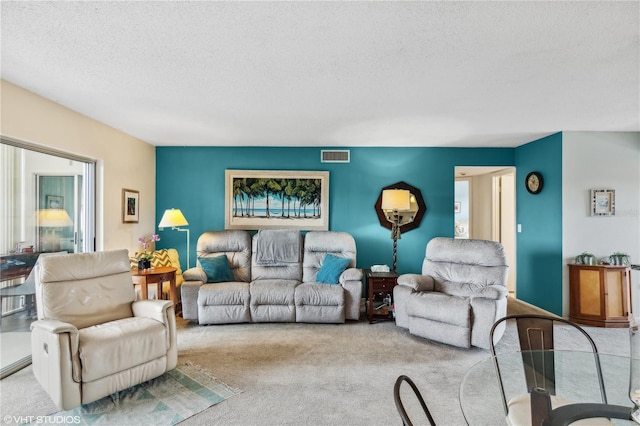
(332, 267)
(217, 268)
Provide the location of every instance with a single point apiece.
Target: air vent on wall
(335, 156)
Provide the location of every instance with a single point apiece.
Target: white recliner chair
(92, 338)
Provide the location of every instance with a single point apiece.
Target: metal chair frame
(535, 333)
(396, 397)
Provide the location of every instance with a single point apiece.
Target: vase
(144, 263)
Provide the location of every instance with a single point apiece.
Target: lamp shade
(396, 199)
(54, 218)
(171, 218)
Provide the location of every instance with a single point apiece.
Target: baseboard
(516, 306)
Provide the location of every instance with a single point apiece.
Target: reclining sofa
(460, 294)
(275, 276)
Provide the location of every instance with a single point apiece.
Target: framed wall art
(54, 202)
(603, 202)
(130, 206)
(268, 199)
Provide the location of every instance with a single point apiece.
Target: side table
(157, 276)
(380, 295)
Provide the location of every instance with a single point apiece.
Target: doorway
(59, 202)
(484, 208)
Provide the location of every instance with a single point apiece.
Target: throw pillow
(161, 258)
(217, 268)
(332, 267)
(158, 258)
(133, 261)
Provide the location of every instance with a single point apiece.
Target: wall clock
(533, 182)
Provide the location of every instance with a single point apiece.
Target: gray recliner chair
(319, 302)
(460, 294)
(92, 338)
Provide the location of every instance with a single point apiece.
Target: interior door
(492, 213)
(507, 225)
(57, 213)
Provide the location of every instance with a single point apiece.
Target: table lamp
(174, 218)
(53, 219)
(394, 202)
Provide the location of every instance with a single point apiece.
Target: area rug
(165, 400)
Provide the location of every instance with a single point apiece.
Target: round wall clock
(533, 182)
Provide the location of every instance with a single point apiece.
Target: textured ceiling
(332, 73)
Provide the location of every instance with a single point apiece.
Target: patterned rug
(166, 400)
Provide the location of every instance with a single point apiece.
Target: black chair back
(403, 413)
(536, 334)
(536, 338)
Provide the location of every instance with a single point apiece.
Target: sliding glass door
(47, 206)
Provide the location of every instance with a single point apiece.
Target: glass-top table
(575, 377)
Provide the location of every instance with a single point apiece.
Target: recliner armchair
(92, 338)
(460, 294)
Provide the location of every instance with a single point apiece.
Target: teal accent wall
(539, 245)
(192, 179)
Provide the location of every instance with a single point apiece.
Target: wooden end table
(380, 287)
(157, 276)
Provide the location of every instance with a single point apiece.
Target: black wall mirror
(409, 219)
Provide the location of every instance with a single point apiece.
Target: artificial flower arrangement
(144, 261)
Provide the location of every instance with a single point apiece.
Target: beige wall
(123, 161)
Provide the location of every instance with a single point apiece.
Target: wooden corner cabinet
(600, 295)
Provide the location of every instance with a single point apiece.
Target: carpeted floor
(168, 400)
(314, 374)
(515, 307)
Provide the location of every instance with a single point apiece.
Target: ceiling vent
(335, 156)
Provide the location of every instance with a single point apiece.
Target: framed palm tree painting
(270, 199)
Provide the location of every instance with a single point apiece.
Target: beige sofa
(280, 287)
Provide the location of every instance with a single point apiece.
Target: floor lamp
(395, 201)
(173, 218)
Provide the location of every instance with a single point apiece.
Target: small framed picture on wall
(130, 206)
(603, 202)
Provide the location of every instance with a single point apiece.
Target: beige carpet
(515, 307)
(312, 374)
